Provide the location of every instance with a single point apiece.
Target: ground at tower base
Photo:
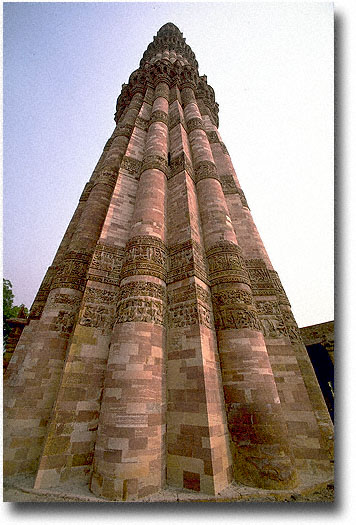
(20, 489)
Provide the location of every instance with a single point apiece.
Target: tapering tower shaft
(161, 347)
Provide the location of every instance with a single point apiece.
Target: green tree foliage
(9, 309)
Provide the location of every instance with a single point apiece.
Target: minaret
(161, 348)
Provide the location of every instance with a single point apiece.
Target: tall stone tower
(161, 347)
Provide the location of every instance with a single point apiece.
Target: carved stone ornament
(224, 148)
(243, 198)
(142, 289)
(98, 316)
(236, 318)
(274, 327)
(107, 176)
(145, 255)
(72, 272)
(106, 264)
(156, 162)
(131, 166)
(143, 310)
(212, 137)
(267, 307)
(72, 302)
(185, 260)
(124, 130)
(228, 184)
(231, 297)
(205, 170)
(64, 322)
(159, 116)
(141, 301)
(189, 305)
(99, 309)
(194, 123)
(179, 163)
(141, 123)
(86, 192)
(226, 264)
(42, 294)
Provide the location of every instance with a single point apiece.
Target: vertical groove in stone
(45, 341)
(198, 455)
(260, 449)
(163, 240)
(129, 456)
(79, 395)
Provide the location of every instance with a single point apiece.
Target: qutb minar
(161, 349)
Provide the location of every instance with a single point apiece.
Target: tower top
(170, 60)
(169, 44)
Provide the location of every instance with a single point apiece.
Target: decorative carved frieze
(233, 308)
(261, 283)
(145, 255)
(224, 148)
(185, 260)
(267, 307)
(294, 335)
(274, 327)
(194, 123)
(205, 170)
(106, 264)
(86, 192)
(124, 130)
(283, 299)
(236, 318)
(189, 305)
(71, 301)
(243, 198)
(179, 163)
(142, 301)
(99, 309)
(212, 137)
(107, 176)
(159, 116)
(142, 289)
(132, 166)
(144, 310)
(141, 123)
(155, 162)
(228, 184)
(64, 322)
(226, 263)
(231, 297)
(72, 272)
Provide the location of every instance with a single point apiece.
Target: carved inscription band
(72, 272)
(145, 255)
(226, 264)
(141, 301)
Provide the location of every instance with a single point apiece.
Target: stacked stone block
(161, 347)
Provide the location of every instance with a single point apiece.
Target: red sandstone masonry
(130, 446)
(161, 330)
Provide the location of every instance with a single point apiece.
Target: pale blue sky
(271, 66)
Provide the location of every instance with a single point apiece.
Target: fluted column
(259, 446)
(129, 457)
(42, 348)
(297, 385)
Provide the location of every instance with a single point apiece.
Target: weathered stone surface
(161, 348)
